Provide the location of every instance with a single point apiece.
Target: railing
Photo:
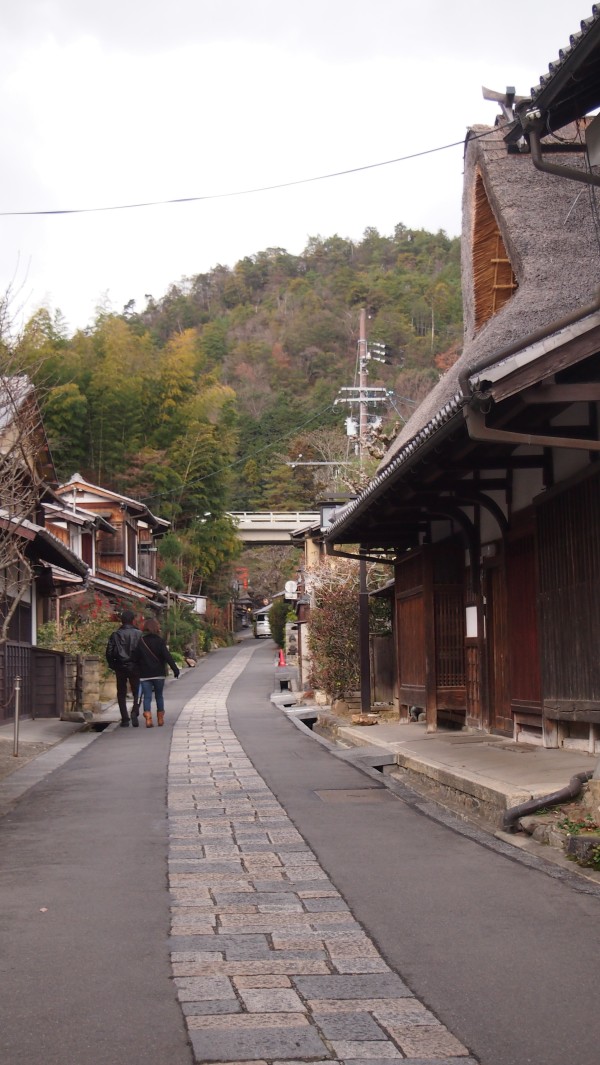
(270, 517)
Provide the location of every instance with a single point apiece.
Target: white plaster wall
(527, 484)
(490, 530)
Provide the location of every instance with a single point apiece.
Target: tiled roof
(571, 88)
(108, 493)
(49, 547)
(409, 451)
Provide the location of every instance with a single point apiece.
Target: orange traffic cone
(281, 659)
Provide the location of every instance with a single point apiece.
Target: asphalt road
(506, 956)
(85, 975)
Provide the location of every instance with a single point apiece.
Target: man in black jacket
(119, 652)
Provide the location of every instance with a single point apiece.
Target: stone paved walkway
(269, 963)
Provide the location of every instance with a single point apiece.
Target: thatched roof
(548, 228)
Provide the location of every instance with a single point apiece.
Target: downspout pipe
(570, 172)
(571, 791)
(525, 342)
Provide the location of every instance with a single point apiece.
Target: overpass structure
(271, 527)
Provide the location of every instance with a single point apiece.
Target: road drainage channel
(367, 757)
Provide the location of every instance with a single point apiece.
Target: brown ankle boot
(160, 715)
(148, 717)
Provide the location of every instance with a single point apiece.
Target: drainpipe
(571, 791)
(525, 342)
(569, 172)
(478, 430)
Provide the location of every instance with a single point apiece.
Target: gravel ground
(27, 751)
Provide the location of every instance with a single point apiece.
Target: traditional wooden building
(35, 565)
(117, 536)
(488, 502)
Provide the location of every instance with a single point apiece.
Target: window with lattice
(493, 276)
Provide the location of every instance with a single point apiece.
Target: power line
(242, 192)
(237, 462)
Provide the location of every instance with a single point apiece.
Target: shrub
(182, 628)
(80, 632)
(333, 632)
(277, 619)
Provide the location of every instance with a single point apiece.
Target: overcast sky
(112, 102)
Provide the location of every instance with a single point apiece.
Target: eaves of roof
(106, 493)
(429, 436)
(64, 576)
(384, 592)
(499, 367)
(144, 590)
(54, 546)
(571, 88)
(77, 517)
(306, 532)
(44, 544)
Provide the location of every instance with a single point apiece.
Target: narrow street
(315, 914)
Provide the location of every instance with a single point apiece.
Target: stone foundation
(82, 687)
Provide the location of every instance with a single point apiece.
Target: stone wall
(82, 687)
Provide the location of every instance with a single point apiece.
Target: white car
(261, 624)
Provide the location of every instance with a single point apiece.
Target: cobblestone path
(269, 963)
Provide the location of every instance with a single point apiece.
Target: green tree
(277, 619)
(196, 402)
(216, 544)
(116, 393)
(65, 420)
(175, 385)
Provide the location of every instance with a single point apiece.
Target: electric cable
(242, 192)
(237, 462)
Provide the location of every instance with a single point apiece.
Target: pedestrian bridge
(271, 526)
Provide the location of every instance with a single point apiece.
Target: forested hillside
(195, 402)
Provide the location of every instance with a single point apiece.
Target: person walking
(119, 655)
(152, 656)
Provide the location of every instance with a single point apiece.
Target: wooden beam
(508, 462)
(582, 392)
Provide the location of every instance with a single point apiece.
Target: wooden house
(487, 505)
(116, 535)
(35, 565)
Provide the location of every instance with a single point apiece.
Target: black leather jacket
(151, 655)
(121, 646)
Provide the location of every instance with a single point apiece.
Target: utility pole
(363, 596)
(362, 384)
(362, 396)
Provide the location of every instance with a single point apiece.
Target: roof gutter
(478, 430)
(532, 338)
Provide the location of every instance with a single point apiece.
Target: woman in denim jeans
(151, 657)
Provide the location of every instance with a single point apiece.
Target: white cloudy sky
(109, 102)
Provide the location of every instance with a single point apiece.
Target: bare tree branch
(22, 441)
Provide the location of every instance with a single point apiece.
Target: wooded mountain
(196, 402)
